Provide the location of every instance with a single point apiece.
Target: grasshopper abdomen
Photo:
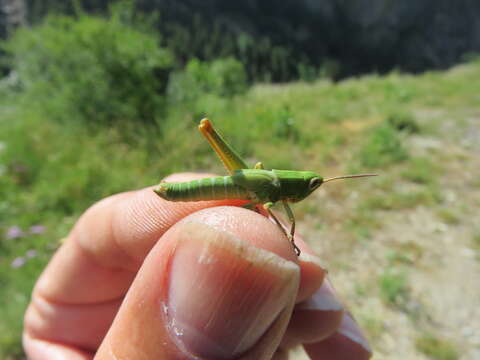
(214, 188)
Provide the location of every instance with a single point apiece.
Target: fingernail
(351, 330)
(324, 299)
(312, 275)
(224, 293)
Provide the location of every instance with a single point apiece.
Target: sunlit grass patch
(449, 216)
(362, 223)
(476, 239)
(436, 347)
(475, 182)
(405, 253)
(372, 324)
(403, 199)
(476, 242)
(399, 257)
(383, 147)
(403, 121)
(421, 170)
(393, 287)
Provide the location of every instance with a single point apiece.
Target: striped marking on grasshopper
(258, 185)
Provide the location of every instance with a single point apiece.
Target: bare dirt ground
(439, 251)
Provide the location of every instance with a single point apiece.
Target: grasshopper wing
(264, 184)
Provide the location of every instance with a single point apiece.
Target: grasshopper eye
(315, 182)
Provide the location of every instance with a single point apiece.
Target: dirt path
(435, 249)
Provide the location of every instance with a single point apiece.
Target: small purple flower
(14, 232)
(18, 262)
(31, 253)
(37, 229)
(18, 168)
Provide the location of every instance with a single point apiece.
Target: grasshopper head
(297, 185)
(311, 182)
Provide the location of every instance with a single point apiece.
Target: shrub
(222, 77)
(89, 69)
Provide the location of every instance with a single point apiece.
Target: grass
(374, 326)
(476, 242)
(405, 253)
(403, 199)
(422, 170)
(436, 348)
(393, 287)
(403, 121)
(51, 172)
(383, 147)
(449, 216)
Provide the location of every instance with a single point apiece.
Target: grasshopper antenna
(348, 177)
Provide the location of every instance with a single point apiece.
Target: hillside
(402, 249)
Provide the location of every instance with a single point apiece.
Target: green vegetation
(221, 78)
(422, 170)
(407, 199)
(405, 254)
(293, 40)
(403, 121)
(393, 285)
(476, 239)
(449, 216)
(90, 71)
(476, 242)
(383, 147)
(436, 348)
(373, 325)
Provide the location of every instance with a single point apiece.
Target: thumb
(205, 292)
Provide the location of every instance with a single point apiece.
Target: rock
(12, 14)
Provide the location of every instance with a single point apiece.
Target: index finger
(109, 243)
(83, 285)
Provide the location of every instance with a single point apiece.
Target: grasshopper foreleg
(291, 217)
(267, 207)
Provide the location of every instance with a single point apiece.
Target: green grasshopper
(258, 185)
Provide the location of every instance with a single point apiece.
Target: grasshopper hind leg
(225, 152)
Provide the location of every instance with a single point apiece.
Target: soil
(440, 256)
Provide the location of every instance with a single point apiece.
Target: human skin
(139, 277)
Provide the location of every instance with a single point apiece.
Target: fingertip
(312, 274)
(259, 231)
(347, 343)
(225, 293)
(318, 317)
(248, 225)
(222, 283)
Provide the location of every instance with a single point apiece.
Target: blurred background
(99, 97)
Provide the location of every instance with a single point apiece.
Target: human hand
(142, 278)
